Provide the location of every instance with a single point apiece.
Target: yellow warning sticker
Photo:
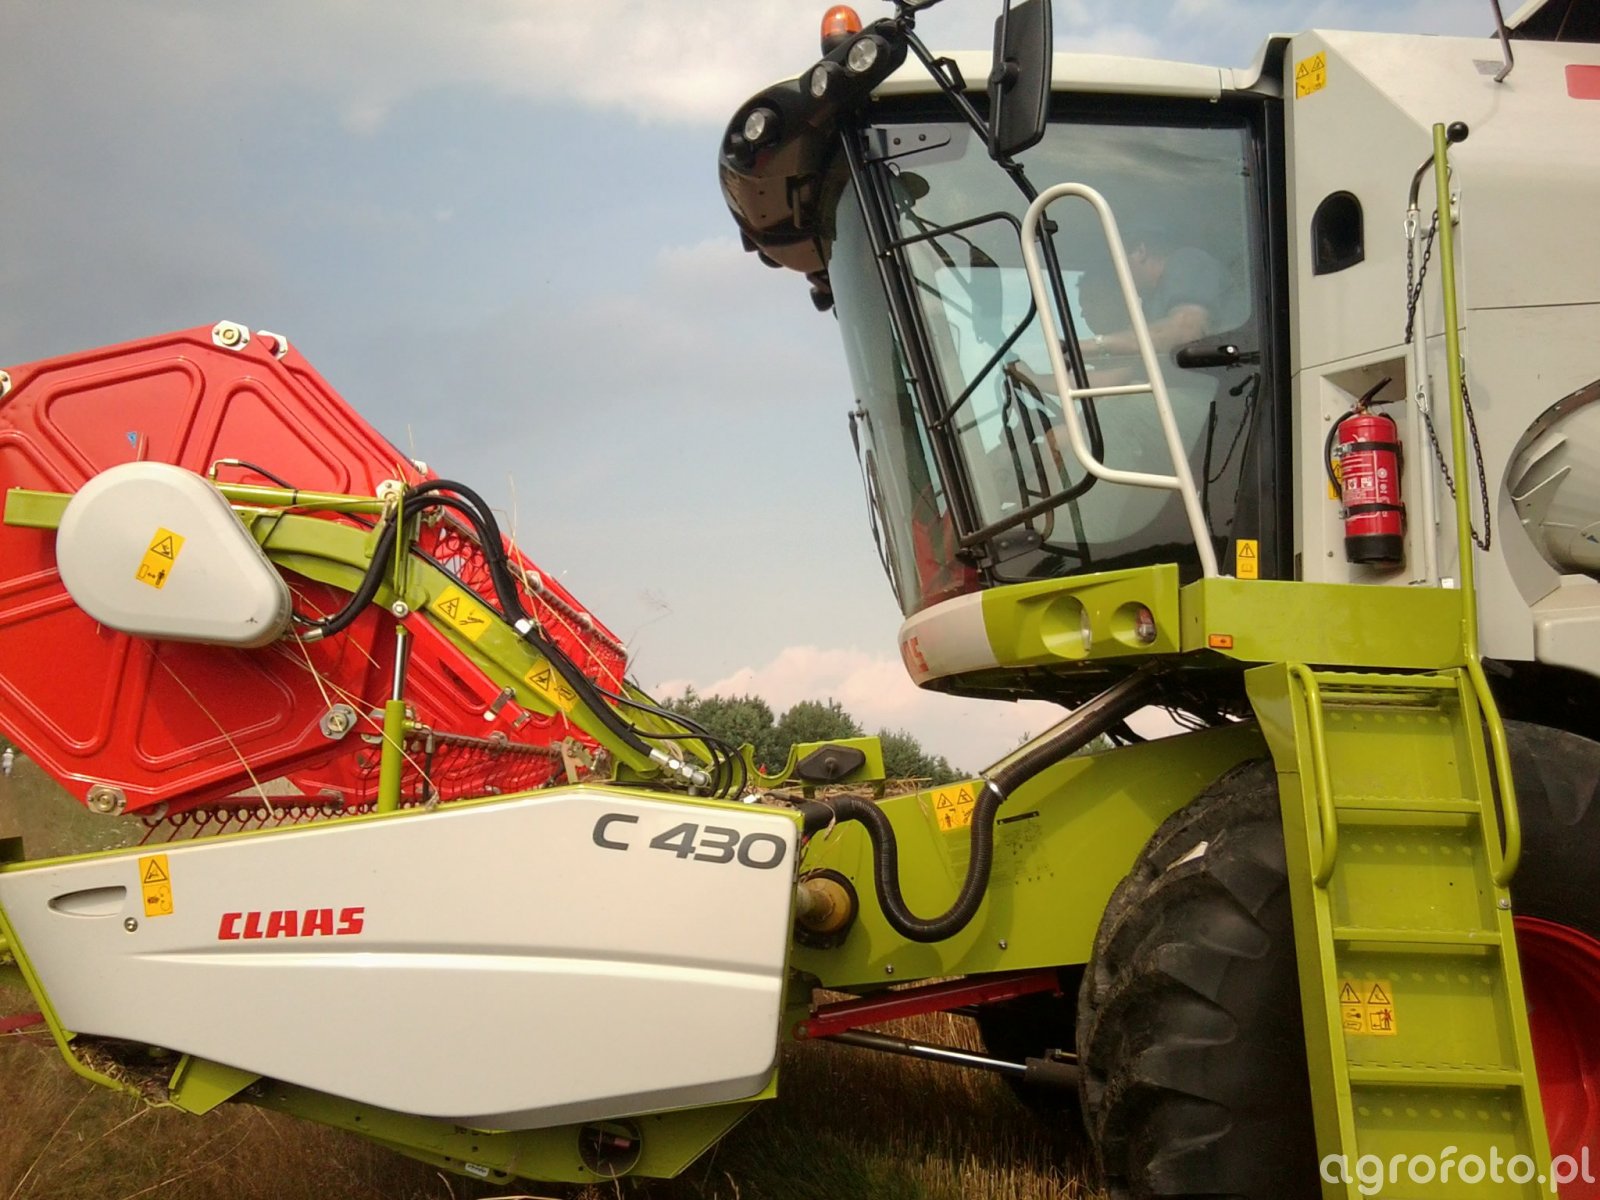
(155, 883)
(155, 568)
(544, 680)
(1310, 75)
(1247, 559)
(952, 807)
(1366, 1007)
(463, 614)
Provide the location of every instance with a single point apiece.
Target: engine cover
(154, 550)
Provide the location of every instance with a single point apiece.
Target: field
(850, 1124)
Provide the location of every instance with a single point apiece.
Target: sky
(494, 226)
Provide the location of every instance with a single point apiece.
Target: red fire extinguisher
(1363, 459)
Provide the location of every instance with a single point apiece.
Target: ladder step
(1352, 681)
(1407, 806)
(1407, 939)
(1437, 1076)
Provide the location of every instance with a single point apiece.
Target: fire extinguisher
(1363, 457)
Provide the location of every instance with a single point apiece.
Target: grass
(850, 1124)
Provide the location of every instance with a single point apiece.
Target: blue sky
(495, 228)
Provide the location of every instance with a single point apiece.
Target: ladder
(1416, 1028)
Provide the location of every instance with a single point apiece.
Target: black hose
(437, 493)
(1081, 727)
(725, 755)
(365, 590)
(505, 587)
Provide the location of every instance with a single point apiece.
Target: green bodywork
(668, 1142)
(1062, 843)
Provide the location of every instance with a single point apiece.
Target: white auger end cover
(154, 550)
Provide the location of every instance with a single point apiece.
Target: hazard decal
(155, 568)
(1366, 1007)
(155, 885)
(1310, 75)
(462, 613)
(544, 679)
(952, 807)
(1247, 559)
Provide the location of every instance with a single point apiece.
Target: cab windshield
(969, 471)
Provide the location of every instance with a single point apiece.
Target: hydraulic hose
(1080, 727)
(487, 528)
(446, 493)
(365, 591)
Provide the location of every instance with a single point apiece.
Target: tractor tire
(1190, 1037)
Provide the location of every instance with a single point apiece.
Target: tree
(734, 719)
(904, 758)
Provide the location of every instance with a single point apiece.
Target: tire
(1189, 1027)
(1194, 1074)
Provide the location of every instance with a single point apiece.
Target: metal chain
(1413, 297)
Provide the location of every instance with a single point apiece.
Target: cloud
(875, 689)
(669, 61)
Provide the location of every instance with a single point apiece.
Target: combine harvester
(1175, 386)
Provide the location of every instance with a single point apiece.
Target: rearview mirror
(1019, 84)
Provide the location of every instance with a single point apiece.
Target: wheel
(1194, 1073)
(1558, 924)
(1189, 1029)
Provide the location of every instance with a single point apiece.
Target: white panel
(510, 970)
(154, 550)
(948, 638)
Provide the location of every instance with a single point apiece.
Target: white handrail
(1181, 480)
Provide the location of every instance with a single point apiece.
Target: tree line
(742, 719)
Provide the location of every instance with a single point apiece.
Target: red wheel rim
(1561, 980)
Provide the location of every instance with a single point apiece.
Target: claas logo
(291, 923)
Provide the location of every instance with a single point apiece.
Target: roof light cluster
(854, 62)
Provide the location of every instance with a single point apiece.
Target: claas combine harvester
(1264, 396)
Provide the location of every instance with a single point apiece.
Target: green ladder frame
(1416, 1027)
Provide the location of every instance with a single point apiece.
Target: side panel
(1525, 181)
(514, 964)
(1062, 843)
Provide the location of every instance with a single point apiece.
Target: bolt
(889, 970)
(338, 721)
(230, 335)
(131, 925)
(1002, 943)
(106, 800)
(1505, 903)
(400, 608)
